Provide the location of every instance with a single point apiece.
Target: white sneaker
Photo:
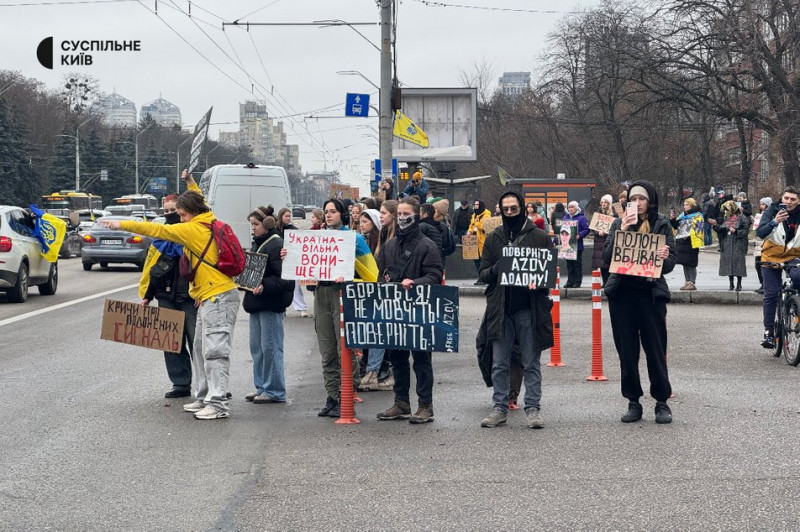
(194, 407)
(210, 412)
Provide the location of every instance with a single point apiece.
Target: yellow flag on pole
(408, 130)
(503, 175)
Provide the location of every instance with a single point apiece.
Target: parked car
(21, 261)
(299, 212)
(108, 246)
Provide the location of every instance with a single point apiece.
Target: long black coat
(277, 293)
(423, 267)
(540, 303)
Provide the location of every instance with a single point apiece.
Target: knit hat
(766, 201)
(638, 190)
(442, 207)
(608, 198)
(374, 216)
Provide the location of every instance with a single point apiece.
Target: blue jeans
(266, 348)
(772, 288)
(518, 326)
(707, 233)
(375, 359)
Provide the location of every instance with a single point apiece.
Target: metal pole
(385, 123)
(136, 151)
(178, 166)
(77, 161)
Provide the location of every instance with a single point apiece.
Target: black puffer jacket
(433, 230)
(424, 264)
(540, 303)
(277, 293)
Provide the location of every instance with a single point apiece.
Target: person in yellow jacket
(215, 295)
(476, 228)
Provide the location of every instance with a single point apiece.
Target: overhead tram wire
(433, 3)
(64, 2)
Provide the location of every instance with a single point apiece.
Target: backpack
(448, 241)
(165, 278)
(231, 258)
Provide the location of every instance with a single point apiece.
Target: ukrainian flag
(408, 130)
(50, 231)
(503, 175)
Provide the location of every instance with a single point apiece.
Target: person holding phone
(778, 229)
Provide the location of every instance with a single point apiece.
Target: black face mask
(172, 218)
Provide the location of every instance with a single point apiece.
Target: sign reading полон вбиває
(522, 266)
(387, 316)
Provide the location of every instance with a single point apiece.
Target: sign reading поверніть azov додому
(522, 266)
(422, 318)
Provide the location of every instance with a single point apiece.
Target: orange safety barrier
(347, 411)
(597, 329)
(555, 313)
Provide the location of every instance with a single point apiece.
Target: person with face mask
(515, 315)
(163, 283)
(410, 258)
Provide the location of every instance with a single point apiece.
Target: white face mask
(404, 222)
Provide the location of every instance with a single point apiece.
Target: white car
(21, 261)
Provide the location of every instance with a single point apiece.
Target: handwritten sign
(340, 191)
(253, 273)
(617, 208)
(319, 255)
(601, 222)
(387, 316)
(492, 223)
(469, 247)
(567, 240)
(199, 140)
(151, 327)
(636, 254)
(521, 266)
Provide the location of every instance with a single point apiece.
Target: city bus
(67, 200)
(145, 205)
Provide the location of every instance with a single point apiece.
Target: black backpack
(165, 277)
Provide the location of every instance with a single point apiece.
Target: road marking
(63, 305)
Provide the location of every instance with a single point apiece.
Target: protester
(417, 186)
(732, 235)
(744, 203)
(440, 216)
(688, 240)
(370, 228)
(387, 188)
(763, 205)
(317, 219)
(410, 258)
(519, 314)
(431, 228)
(638, 309)
(355, 216)
(285, 224)
(388, 214)
(533, 215)
(575, 267)
(778, 230)
(216, 292)
(461, 220)
(267, 305)
(327, 312)
(476, 228)
(556, 216)
(714, 211)
(599, 239)
(162, 282)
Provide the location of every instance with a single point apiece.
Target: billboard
(448, 117)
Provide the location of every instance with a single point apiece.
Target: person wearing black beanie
(515, 313)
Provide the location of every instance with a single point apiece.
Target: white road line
(63, 305)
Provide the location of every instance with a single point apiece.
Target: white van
(233, 191)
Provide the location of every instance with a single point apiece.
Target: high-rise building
(163, 112)
(514, 83)
(117, 110)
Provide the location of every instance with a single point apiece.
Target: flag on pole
(408, 130)
(50, 231)
(504, 177)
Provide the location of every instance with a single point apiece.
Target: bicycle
(786, 327)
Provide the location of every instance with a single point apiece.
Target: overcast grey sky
(194, 64)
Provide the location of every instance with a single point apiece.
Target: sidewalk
(711, 288)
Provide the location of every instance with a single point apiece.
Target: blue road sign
(158, 185)
(379, 175)
(356, 105)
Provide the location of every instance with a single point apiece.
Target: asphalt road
(90, 444)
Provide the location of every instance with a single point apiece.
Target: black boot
(738, 284)
(385, 370)
(634, 412)
(730, 279)
(663, 413)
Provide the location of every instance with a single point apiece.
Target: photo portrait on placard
(567, 240)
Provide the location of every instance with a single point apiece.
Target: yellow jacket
(476, 227)
(208, 281)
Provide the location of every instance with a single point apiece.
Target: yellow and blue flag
(50, 231)
(408, 130)
(504, 177)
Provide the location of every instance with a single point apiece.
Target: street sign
(103, 175)
(158, 185)
(356, 105)
(379, 175)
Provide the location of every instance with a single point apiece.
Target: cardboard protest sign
(567, 240)
(152, 327)
(199, 140)
(636, 254)
(469, 247)
(319, 255)
(253, 273)
(617, 208)
(521, 266)
(387, 316)
(601, 222)
(492, 223)
(340, 191)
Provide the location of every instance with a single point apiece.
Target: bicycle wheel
(777, 328)
(791, 331)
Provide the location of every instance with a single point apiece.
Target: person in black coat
(266, 305)
(461, 219)
(410, 258)
(520, 313)
(638, 308)
(431, 228)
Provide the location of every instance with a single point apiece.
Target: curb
(699, 297)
